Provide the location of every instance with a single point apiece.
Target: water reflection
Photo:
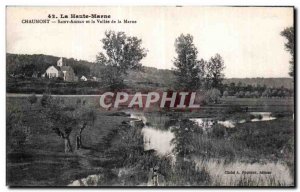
(207, 123)
(228, 123)
(159, 140)
(155, 138)
(262, 116)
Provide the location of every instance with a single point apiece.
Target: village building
(94, 78)
(61, 70)
(83, 78)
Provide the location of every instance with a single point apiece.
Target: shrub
(18, 139)
(255, 94)
(32, 99)
(248, 94)
(240, 94)
(217, 131)
(225, 94)
(45, 100)
(213, 95)
(251, 116)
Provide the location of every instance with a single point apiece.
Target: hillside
(151, 75)
(38, 63)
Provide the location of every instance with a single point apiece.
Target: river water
(155, 138)
(160, 140)
(207, 123)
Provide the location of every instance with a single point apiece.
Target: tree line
(122, 53)
(249, 91)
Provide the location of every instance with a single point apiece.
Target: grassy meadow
(113, 151)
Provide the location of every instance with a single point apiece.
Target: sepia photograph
(150, 96)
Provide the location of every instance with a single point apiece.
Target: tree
(112, 77)
(288, 33)
(188, 69)
(88, 119)
(232, 88)
(61, 123)
(183, 133)
(214, 72)
(65, 134)
(60, 120)
(122, 53)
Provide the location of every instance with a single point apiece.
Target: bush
(32, 99)
(255, 94)
(225, 94)
(213, 95)
(18, 139)
(248, 94)
(45, 100)
(251, 116)
(218, 131)
(240, 94)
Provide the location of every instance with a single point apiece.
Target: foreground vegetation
(113, 150)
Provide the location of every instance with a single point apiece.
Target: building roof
(56, 67)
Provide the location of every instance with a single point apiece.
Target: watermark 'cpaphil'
(150, 100)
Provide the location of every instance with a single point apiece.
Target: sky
(247, 38)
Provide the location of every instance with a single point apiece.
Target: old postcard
(150, 96)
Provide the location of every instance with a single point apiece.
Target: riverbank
(116, 153)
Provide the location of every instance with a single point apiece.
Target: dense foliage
(35, 65)
(121, 53)
(288, 33)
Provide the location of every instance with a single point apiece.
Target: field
(112, 151)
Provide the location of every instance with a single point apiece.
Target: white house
(94, 78)
(61, 70)
(83, 78)
(53, 72)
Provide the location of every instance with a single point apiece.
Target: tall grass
(280, 174)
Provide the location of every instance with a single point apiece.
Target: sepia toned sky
(247, 38)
